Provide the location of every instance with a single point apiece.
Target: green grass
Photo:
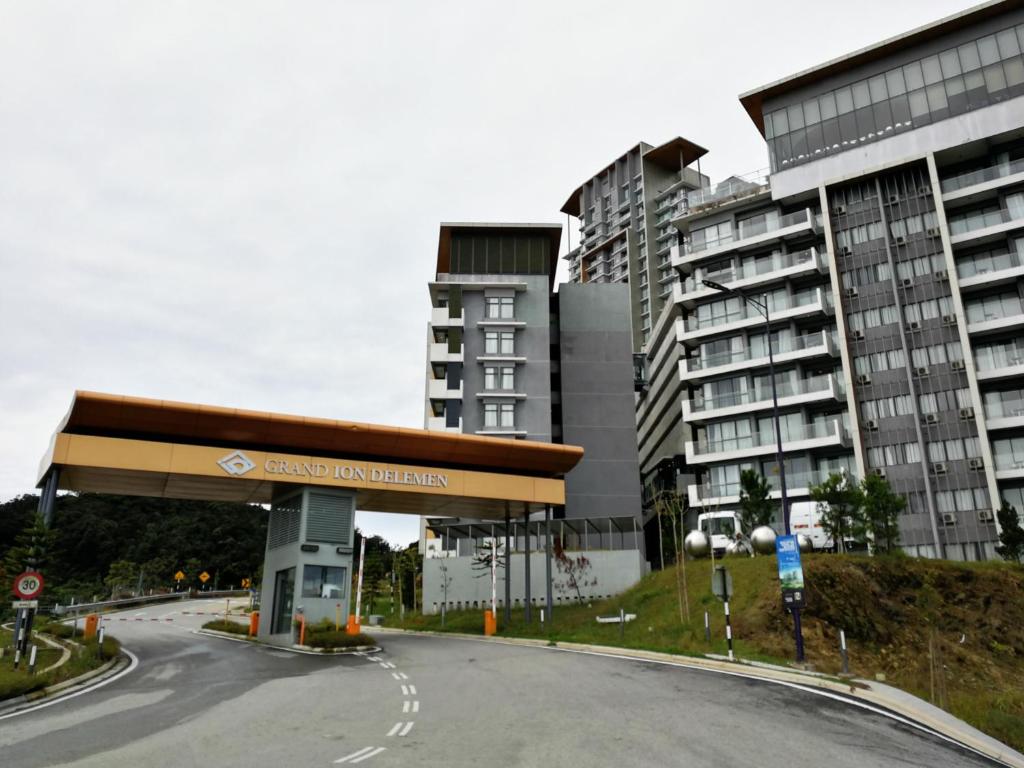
(889, 608)
(86, 657)
(226, 625)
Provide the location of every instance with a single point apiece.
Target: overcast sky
(238, 203)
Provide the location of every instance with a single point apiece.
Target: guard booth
(314, 473)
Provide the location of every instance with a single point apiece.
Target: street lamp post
(762, 307)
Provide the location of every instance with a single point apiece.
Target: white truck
(720, 527)
(805, 519)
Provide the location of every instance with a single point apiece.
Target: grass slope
(951, 633)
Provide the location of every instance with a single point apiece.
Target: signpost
(27, 586)
(178, 578)
(791, 578)
(721, 586)
(204, 577)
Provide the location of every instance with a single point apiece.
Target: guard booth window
(323, 581)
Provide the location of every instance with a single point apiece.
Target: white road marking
(405, 690)
(395, 729)
(134, 663)
(407, 728)
(395, 675)
(389, 665)
(347, 758)
(402, 676)
(412, 690)
(368, 755)
(415, 706)
(405, 706)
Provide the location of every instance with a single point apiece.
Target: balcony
(1004, 414)
(1003, 269)
(735, 188)
(1007, 362)
(994, 323)
(501, 431)
(437, 389)
(829, 434)
(1009, 466)
(439, 353)
(696, 369)
(982, 180)
(790, 225)
(440, 318)
(817, 302)
(983, 227)
(438, 424)
(779, 266)
(798, 485)
(815, 389)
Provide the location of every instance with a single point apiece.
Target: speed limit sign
(28, 585)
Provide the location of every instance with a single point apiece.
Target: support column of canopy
(547, 560)
(48, 495)
(508, 566)
(526, 564)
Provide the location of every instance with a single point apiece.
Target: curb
(857, 691)
(109, 669)
(299, 649)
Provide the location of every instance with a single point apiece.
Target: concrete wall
(596, 363)
(613, 571)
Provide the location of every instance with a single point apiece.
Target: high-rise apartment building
(509, 357)
(888, 245)
(624, 214)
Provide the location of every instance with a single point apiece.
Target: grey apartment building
(888, 242)
(626, 234)
(509, 357)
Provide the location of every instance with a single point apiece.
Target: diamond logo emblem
(236, 463)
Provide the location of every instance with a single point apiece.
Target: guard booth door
(284, 593)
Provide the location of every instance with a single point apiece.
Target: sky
(237, 203)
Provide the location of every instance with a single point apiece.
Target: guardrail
(127, 602)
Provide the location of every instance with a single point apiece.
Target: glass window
(1008, 44)
(894, 82)
(1014, 71)
(861, 95)
(937, 98)
(950, 63)
(490, 378)
(811, 113)
(988, 51)
(780, 122)
(508, 346)
(844, 100)
(508, 414)
(508, 378)
(323, 581)
(969, 56)
(932, 70)
(827, 105)
(995, 80)
(491, 342)
(876, 85)
(913, 75)
(796, 117)
(490, 414)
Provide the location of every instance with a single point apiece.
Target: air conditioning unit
(949, 319)
(900, 240)
(907, 282)
(845, 251)
(930, 418)
(851, 292)
(924, 189)
(941, 274)
(966, 413)
(857, 333)
(976, 463)
(839, 210)
(958, 365)
(922, 371)
(939, 468)
(863, 378)
(878, 471)
(986, 515)
(913, 325)
(932, 231)
(894, 198)
(949, 518)
(871, 425)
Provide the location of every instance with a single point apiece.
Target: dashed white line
(363, 754)
(395, 729)
(406, 729)
(412, 690)
(402, 676)
(405, 690)
(395, 675)
(415, 706)
(405, 706)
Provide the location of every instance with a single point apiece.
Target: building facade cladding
(924, 241)
(626, 233)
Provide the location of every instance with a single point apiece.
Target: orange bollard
(490, 623)
(352, 628)
(92, 622)
(254, 623)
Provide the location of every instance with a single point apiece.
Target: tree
(1011, 537)
(839, 505)
(122, 575)
(880, 512)
(670, 505)
(756, 505)
(32, 550)
(576, 571)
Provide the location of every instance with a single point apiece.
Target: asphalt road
(200, 701)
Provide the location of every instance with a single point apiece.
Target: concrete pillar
(508, 567)
(526, 564)
(547, 561)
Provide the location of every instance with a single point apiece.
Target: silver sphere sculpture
(763, 539)
(696, 544)
(737, 547)
(805, 544)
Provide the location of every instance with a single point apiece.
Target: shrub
(336, 639)
(226, 625)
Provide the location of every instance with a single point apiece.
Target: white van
(720, 527)
(805, 519)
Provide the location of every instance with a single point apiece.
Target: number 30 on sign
(28, 585)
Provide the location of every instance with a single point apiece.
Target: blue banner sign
(791, 572)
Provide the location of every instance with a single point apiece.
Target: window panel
(796, 117)
(988, 51)
(811, 113)
(894, 82)
(995, 80)
(914, 76)
(932, 70)
(861, 95)
(949, 63)
(877, 89)
(827, 106)
(844, 100)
